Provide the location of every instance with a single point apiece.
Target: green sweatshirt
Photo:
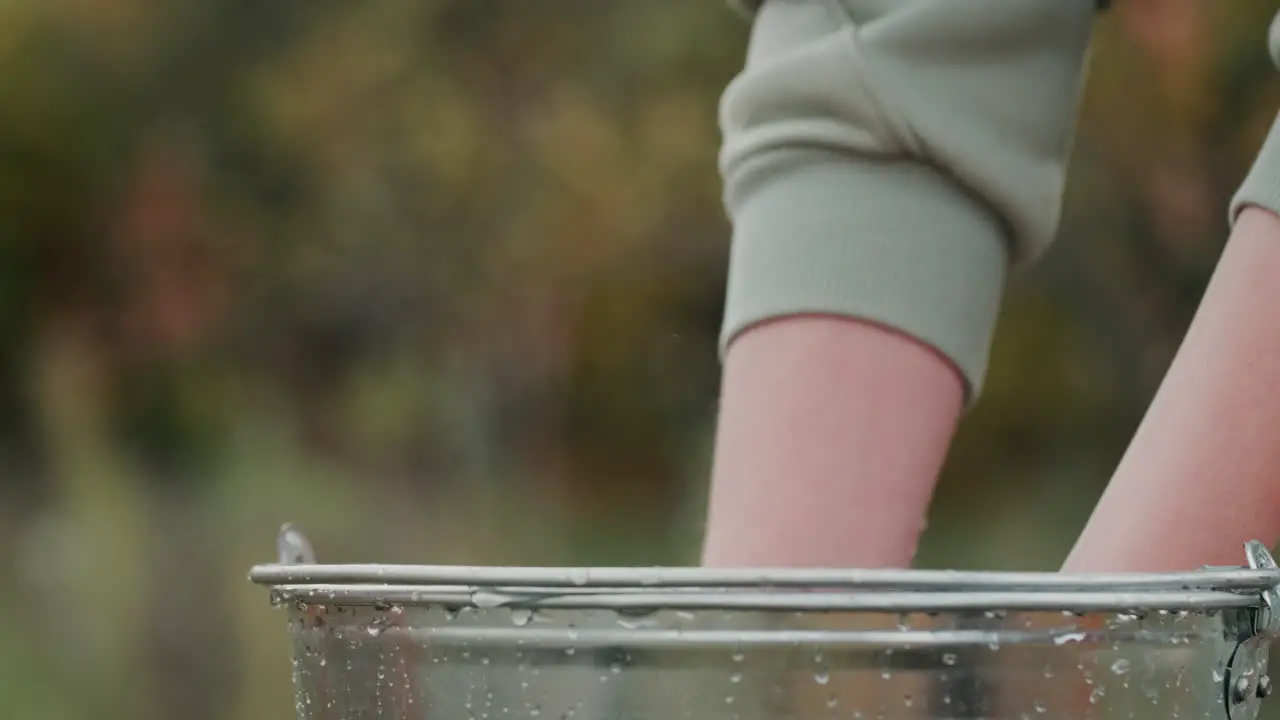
(891, 160)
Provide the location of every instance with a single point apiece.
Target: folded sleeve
(889, 160)
(1261, 187)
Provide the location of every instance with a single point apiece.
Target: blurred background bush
(440, 282)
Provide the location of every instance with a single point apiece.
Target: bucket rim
(575, 580)
(298, 577)
(642, 601)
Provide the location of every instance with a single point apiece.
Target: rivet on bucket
(1246, 680)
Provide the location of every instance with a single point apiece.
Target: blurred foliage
(441, 281)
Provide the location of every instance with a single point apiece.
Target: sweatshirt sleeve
(889, 160)
(1261, 187)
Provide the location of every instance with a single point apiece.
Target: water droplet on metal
(821, 678)
(949, 659)
(1120, 666)
(1240, 690)
(521, 616)
(486, 600)
(636, 621)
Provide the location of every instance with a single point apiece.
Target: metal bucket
(472, 643)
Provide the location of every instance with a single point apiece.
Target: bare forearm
(1203, 472)
(865, 280)
(832, 432)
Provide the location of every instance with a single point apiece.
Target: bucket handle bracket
(1245, 683)
(293, 548)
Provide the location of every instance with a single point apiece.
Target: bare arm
(884, 164)
(1203, 472)
(832, 432)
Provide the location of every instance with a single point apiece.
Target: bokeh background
(440, 281)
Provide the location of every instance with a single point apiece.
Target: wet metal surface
(516, 643)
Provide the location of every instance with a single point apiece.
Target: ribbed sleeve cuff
(895, 243)
(1261, 186)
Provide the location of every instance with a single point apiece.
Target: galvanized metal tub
(463, 643)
